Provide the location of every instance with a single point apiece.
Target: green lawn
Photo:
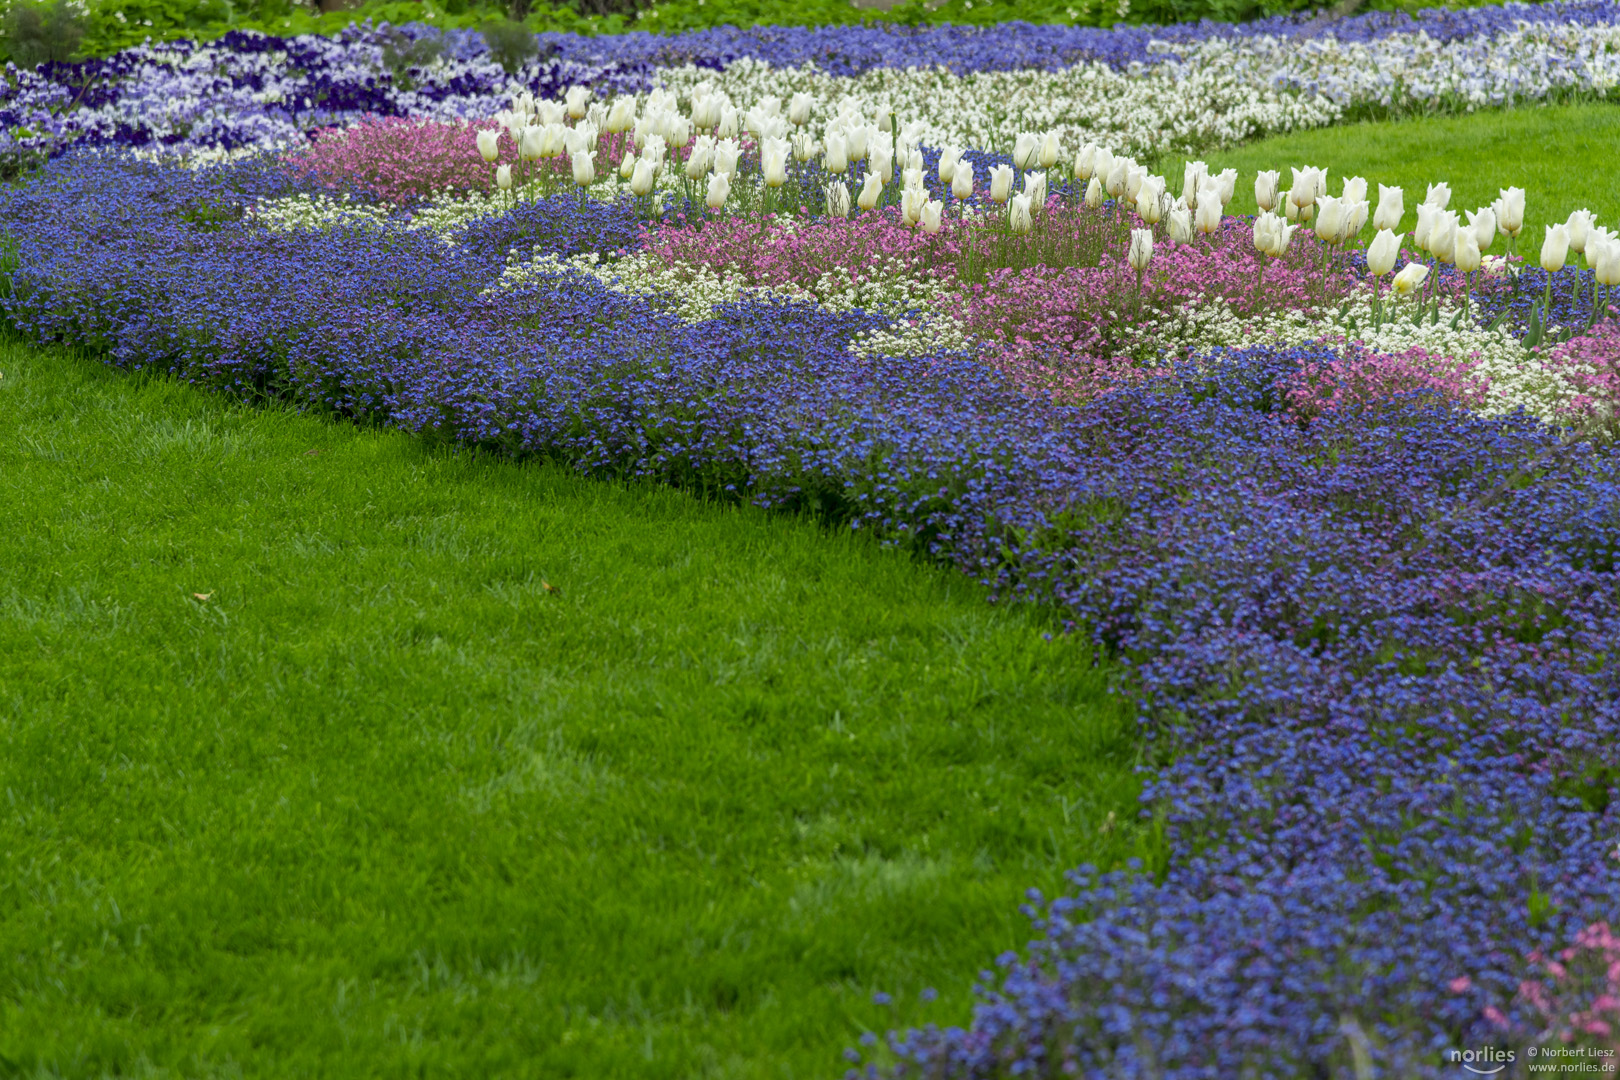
(384, 804)
(1561, 155)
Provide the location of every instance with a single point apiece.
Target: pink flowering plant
(402, 160)
(1361, 378)
(1576, 992)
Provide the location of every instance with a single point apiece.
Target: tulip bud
(1555, 248)
(1410, 279)
(1180, 225)
(627, 165)
(948, 158)
(1018, 215)
(838, 200)
(1265, 190)
(871, 192)
(1291, 209)
(503, 177)
(1148, 206)
(1356, 218)
(1382, 252)
(719, 190)
(799, 110)
(1391, 208)
(641, 181)
(489, 145)
(1226, 185)
(1085, 161)
(932, 216)
(962, 180)
(1035, 188)
(1140, 252)
(837, 157)
(1482, 223)
(1579, 224)
(1051, 150)
(804, 147)
(1207, 219)
(1094, 193)
(1439, 195)
(1510, 218)
(584, 165)
(1001, 180)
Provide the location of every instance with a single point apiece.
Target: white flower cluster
(1218, 92)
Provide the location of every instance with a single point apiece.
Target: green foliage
(41, 33)
(325, 754)
(510, 44)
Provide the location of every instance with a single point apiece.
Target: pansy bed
(1337, 482)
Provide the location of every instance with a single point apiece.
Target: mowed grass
(325, 754)
(1561, 155)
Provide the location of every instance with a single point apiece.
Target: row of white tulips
(712, 129)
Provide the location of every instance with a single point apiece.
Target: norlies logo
(1486, 1062)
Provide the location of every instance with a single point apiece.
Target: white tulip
(1115, 180)
(503, 177)
(948, 159)
(719, 190)
(1510, 215)
(584, 166)
(836, 158)
(1026, 150)
(1330, 219)
(871, 192)
(1193, 173)
(1355, 189)
(578, 99)
(1035, 188)
(838, 200)
(1018, 215)
(622, 116)
(962, 180)
(1410, 279)
(1439, 195)
(1094, 193)
(489, 145)
(1266, 192)
(1084, 161)
(1140, 252)
(1482, 223)
(1465, 255)
(532, 144)
(1226, 185)
(1443, 237)
(1382, 253)
(726, 153)
(1555, 248)
(1051, 150)
(1391, 208)
(641, 181)
(1179, 226)
(932, 216)
(1207, 219)
(1426, 215)
(912, 201)
(627, 165)
(880, 160)
(1578, 225)
(1001, 181)
(799, 109)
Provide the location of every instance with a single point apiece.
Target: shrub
(511, 44)
(42, 34)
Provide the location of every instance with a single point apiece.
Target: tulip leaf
(1533, 333)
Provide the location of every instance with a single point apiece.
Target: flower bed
(1357, 541)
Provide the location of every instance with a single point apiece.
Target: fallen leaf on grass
(311, 453)
(202, 595)
(549, 587)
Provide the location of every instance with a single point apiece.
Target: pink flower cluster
(1361, 378)
(1591, 363)
(1588, 966)
(402, 160)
